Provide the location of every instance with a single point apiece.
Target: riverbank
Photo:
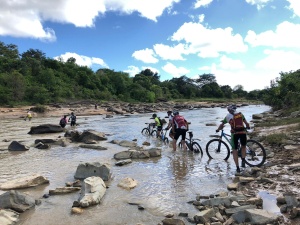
(84, 108)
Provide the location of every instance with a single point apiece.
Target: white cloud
(82, 60)
(132, 70)
(200, 3)
(175, 71)
(146, 55)
(279, 61)
(170, 53)
(259, 3)
(25, 18)
(295, 6)
(230, 64)
(286, 35)
(209, 42)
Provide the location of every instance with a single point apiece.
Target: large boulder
(17, 146)
(93, 190)
(46, 128)
(17, 201)
(24, 182)
(86, 136)
(85, 170)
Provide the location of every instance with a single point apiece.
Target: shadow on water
(165, 184)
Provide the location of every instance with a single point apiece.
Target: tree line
(31, 77)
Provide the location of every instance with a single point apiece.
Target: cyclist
(179, 127)
(171, 134)
(157, 123)
(238, 132)
(73, 119)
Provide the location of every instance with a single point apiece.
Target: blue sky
(241, 42)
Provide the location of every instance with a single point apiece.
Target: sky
(241, 42)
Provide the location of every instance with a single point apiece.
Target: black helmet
(154, 115)
(169, 112)
(176, 113)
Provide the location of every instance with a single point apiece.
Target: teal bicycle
(217, 148)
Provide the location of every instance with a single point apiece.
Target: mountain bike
(147, 131)
(191, 144)
(219, 149)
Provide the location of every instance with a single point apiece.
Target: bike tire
(255, 153)
(180, 145)
(154, 133)
(197, 148)
(217, 149)
(146, 132)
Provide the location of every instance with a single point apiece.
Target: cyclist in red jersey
(179, 127)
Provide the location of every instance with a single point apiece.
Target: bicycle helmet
(154, 115)
(176, 113)
(231, 109)
(169, 112)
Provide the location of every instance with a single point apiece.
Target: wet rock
(17, 146)
(123, 155)
(93, 190)
(123, 162)
(255, 216)
(171, 221)
(257, 116)
(41, 145)
(45, 128)
(233, 186)
(24, 182)
(154, 152)
(85, 170)
(231, 211)
(218, 201)
(63, 190)
(16, 201)
(204, 216)
(127, 183)
(77, 210)
(8, 217)
(146, 143)
(90, 146)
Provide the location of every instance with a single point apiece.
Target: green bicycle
(219, 149)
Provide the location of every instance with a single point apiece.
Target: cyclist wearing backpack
(179, 127)
(238, 132)
(73, 119)
(63, 121)
(158, 123)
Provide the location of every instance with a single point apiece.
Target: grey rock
(85, 170)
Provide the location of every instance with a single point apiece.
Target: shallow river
(165, 184)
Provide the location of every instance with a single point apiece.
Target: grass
(276, 139)
(279, 122)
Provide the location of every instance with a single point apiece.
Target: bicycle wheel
(197, 148)
(180, 145)
(255, 153)
(146, 132)
(217, 149)
(154, 133)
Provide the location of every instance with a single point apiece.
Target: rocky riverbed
(245, 200)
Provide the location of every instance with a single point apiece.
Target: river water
(165, 184)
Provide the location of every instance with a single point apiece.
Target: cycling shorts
(237, 137)
(179, 132)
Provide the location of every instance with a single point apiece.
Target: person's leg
(183, 134)
(243, 140)
(175, 140)
(235, 152)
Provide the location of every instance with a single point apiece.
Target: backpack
(62, 121)
(160, 121)
(237, 122)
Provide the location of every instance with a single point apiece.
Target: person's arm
(221, 126)
(246, 122)
(187, 125)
